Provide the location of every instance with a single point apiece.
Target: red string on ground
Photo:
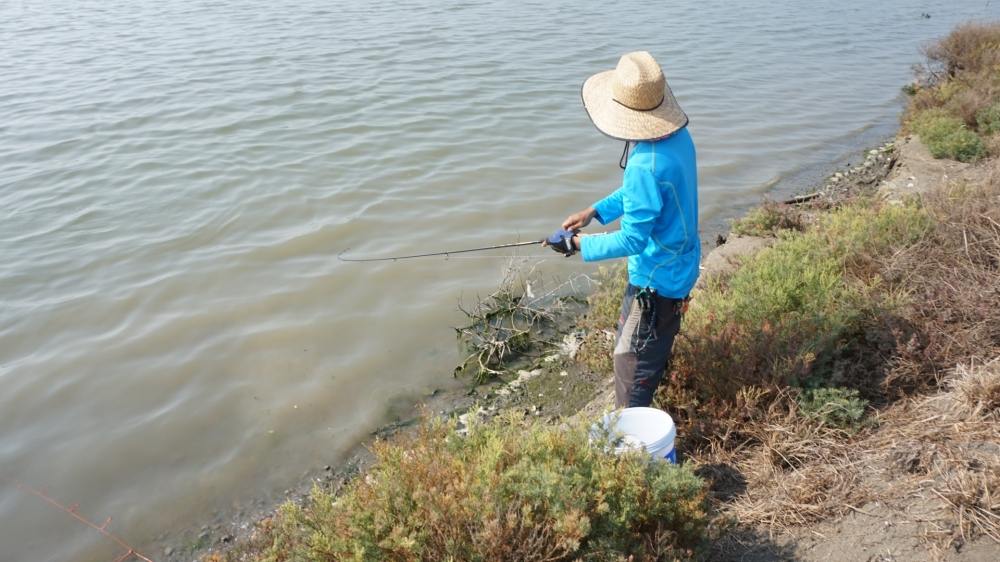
(130, 552)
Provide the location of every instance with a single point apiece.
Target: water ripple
(176, 179)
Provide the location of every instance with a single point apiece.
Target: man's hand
(576, 221)
(563, 241)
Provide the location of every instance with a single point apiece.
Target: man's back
(658, 205)
(670, 261)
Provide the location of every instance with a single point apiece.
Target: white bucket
(643, 428)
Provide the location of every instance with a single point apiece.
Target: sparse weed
(601, 319)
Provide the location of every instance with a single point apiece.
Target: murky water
(177, 178)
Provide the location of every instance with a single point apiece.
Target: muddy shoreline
(545, 383)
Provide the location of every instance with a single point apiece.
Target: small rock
(169, 551)
(328, 468)
(563, 374)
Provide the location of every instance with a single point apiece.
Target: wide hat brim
(623, 123)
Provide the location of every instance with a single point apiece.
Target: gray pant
(646, 331)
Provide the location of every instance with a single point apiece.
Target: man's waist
(635, 289)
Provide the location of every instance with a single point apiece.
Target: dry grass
(977, 389)
(947, 448)
(935, 439)
(971, 48)
(792, 467)
(951, 281)
(942, 450)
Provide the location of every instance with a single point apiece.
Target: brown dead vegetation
(952, 279)
(933, 440)
(943, 449)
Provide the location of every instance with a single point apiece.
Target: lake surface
(177, 337)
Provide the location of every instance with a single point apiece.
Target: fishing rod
(341, 256)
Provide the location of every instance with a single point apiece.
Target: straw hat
(633, 102)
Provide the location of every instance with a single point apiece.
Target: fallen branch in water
(799, 199)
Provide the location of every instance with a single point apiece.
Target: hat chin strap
(623, 161)
(625, 105)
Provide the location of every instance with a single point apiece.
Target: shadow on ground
(738, 544)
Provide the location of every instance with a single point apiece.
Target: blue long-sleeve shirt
(658, 206)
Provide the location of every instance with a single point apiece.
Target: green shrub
(835, 407)
(963, 145)
(503, 492)
(789, 304)
(947, 136)
(988, 120)
(768, 219)
(764, 327)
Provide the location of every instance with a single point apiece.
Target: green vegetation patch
(793, 303)
(947, 136)
(504, 491)
(988, 119)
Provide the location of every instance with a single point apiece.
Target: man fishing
(658, 207)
